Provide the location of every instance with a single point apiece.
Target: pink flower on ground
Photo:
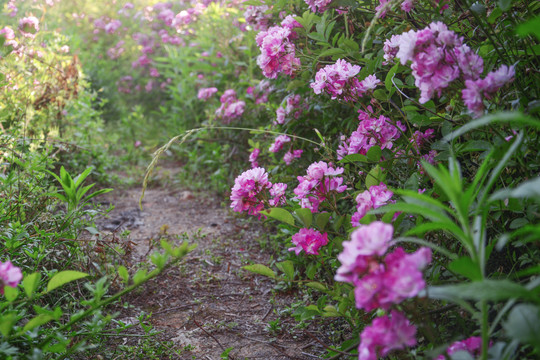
(278, 143)
(9, 275)
(206, 93)
(29, 26)
(309, 240)
(385, 334)
(472, 345)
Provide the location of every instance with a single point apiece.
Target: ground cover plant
(391, 146)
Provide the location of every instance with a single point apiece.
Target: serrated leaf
(261, 270)
(123, 273)
(6, 324)
(305, 216)
(63, 277)
(37, 321)
(280, 214)
(374, 153)
(287, 267)
(354, 158)
(321, 219)
(10, 293)
(30, 283)
(374, 177)
(139, 276)
(330, 311)
(317, 286)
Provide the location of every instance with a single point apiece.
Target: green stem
(485, 330)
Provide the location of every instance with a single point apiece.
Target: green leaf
(530, 27)
(379, 94)
(317, 286)
(523, 324)
(63, 277)
(321, 219)
(30, 283)
(488, 290)
(527, 189)
(280, 214)
(10, 293)
(139, 276)
(261, 270)
(388, 80)
(374, 154)
(37, 321)
(6, 323)
(374, 177)
(503, 117)
(287, 267)
(354, 158)
(305, 216)
(122, 271)
(330, 311)
(505, 5)
(332, 52)
(465, 266)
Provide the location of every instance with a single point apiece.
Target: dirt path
(208, 303)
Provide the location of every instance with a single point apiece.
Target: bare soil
(208, 303)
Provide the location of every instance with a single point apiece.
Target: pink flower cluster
(375, 197)
(318, 5)
(206, 93)
(320, 182)
(472, 345)
(253, 158)
(252, 189)
(371, 132)
(406, 5)
(260, 92)
(29, 26)
(231, 108)
(293, 105)
(309, 240)
(385, 334)
(380, 282)
(291, 155)
(9, 275)
(439, 57)
(476, 90)
(257, 17)
(278, 143)
(339, 81)
(278, 53)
